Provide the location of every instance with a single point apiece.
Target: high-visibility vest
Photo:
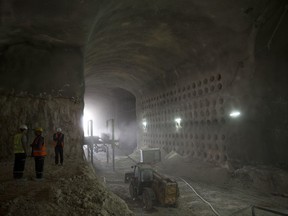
(18, 148)
(58, 139)
(38, 151)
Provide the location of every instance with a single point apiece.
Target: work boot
(39, 179)
(21, 179)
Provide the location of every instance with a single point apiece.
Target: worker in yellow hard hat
(38, 129)
(39, 152)
(20, 151)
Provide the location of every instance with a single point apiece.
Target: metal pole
(107, 153)
(88, 143)
(113, 145)
(91, 139)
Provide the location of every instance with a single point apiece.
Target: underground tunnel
(202, 84)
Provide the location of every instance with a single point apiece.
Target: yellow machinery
(154, 188)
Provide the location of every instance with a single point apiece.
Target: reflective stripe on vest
(18, 148)
(38, 151)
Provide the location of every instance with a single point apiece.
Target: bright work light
(178, 120)
(234, 114)
(178, 123)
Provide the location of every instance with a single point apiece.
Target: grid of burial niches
(198, 88)
(210, 147)
(191, 102)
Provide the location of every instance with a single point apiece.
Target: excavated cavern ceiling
(134, 45)
(147, 45)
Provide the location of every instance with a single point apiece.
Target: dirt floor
(227, 195)
(69, 190)
(79, 189)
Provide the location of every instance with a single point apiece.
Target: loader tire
(147, 199)
(132, 191)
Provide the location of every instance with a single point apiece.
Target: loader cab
(141, 177)
(144, 174)
(140, 173)
(151, 186)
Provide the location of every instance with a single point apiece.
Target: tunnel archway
(195, 71)
(115, 103)
(171, 72)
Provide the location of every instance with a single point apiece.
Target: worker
(39, 152)
(20, 152)
(58, 139)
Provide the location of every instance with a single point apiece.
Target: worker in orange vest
(58, 141)
(20, 151)
(39, 152)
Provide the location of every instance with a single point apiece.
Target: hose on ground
(205, 201)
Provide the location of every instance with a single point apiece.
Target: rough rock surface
(46, 113)
(70, 190)
(228, 196)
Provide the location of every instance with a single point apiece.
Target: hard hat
(23, 127)
(59, 129)
(39, 129)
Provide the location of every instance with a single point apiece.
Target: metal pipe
(107, 153)
(277, 26)
(90, 127)
(205, 201)
(113, 145)
(113, 141)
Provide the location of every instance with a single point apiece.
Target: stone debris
(268, 179)
(79, 193)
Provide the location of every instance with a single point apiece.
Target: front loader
(151, 186)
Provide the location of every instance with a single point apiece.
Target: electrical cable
(205, 201)
(277, 26)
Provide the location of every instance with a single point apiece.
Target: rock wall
(41, 86)
(270, 86)
(46, 113)
(202, 95)
(203, 105)
(251, 79)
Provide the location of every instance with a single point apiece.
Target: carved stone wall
(41, 86)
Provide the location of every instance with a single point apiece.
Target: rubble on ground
(70, 190)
